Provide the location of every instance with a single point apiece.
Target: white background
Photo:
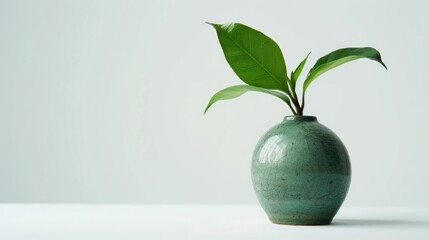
(102, 101)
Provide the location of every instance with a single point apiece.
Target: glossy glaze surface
(300, 172)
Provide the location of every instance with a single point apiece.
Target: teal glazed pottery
(300, 172)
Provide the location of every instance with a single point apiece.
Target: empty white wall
(102, 101)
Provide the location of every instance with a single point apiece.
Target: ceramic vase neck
(300, 118)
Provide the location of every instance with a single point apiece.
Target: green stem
(296, 103)
(291, 108)
(287, 101)
(303, 101)
(294, 98)
(292, 95)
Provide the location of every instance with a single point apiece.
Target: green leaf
(339, 57)
(295, 74)
(254, 57)
(236, 91)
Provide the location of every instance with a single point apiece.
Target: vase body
(300, 172)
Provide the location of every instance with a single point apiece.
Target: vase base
(295, 223)
(302, 220)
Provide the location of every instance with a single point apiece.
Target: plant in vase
(300, 168)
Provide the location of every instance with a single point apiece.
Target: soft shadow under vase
(300, 172)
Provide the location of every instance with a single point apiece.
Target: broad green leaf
(254, 57)
(295, 74)
(339, 57)
(236, 91)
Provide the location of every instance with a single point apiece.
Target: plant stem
(299, 111)
(298, 108)
(296, 103)
(291, 98)
(303, 101)
(291, 108)
(292, 95)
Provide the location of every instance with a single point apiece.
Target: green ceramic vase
(300, 172)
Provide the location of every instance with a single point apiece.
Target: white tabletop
(144, 222)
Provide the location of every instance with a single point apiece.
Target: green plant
(258, 61)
